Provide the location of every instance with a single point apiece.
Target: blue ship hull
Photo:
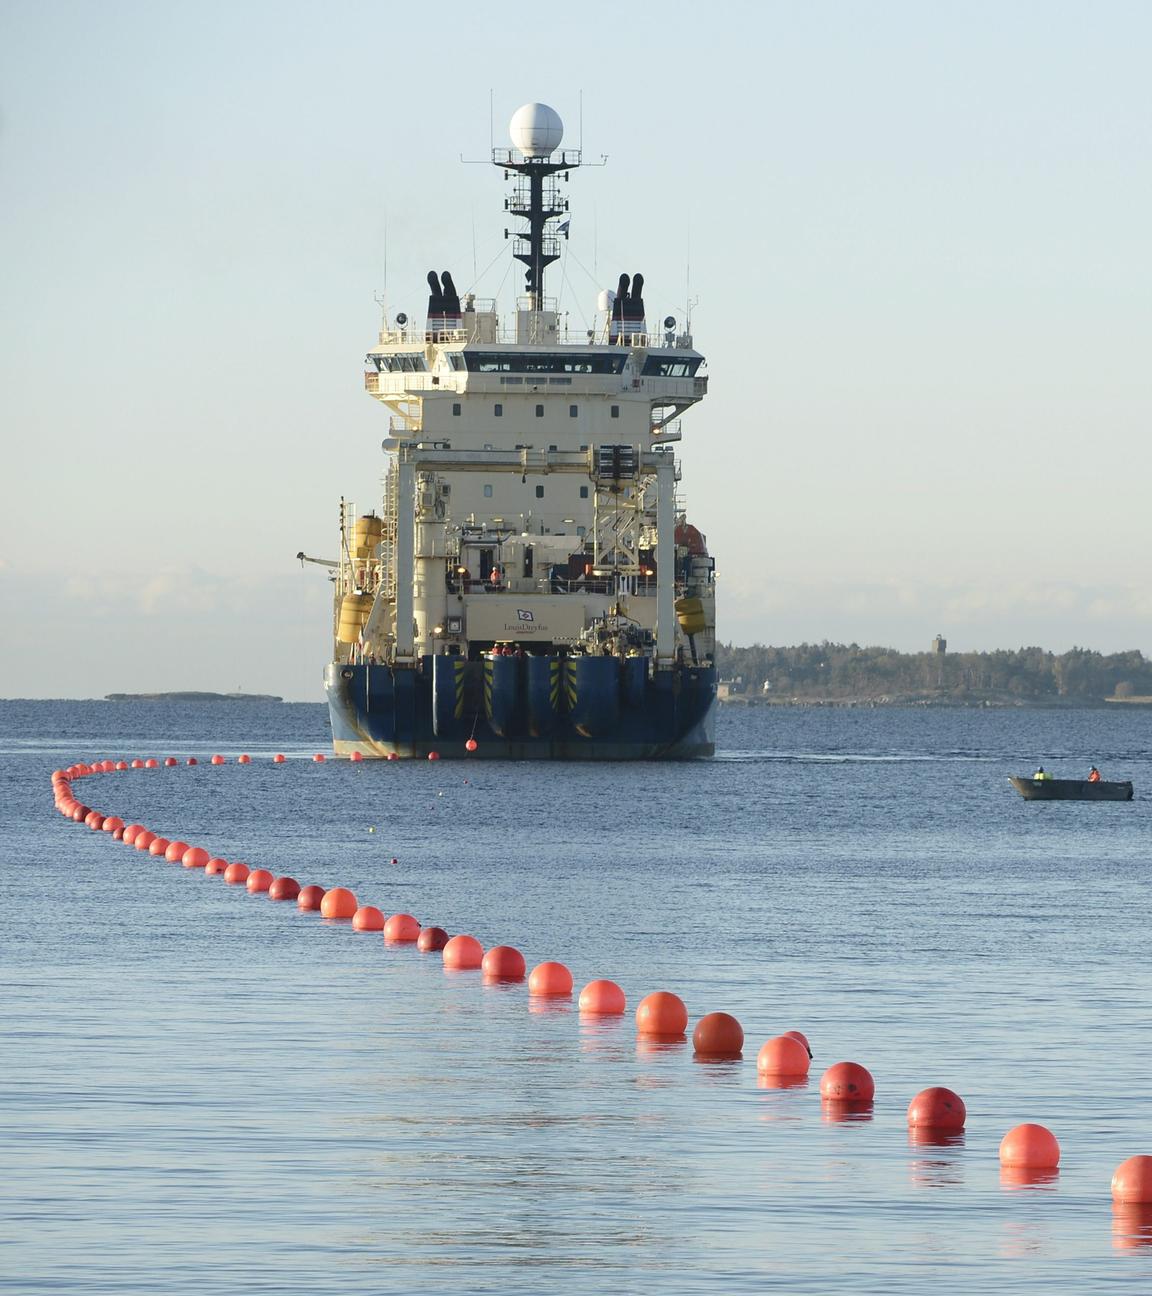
(524, 708)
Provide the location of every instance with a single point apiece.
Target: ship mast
(536, 132)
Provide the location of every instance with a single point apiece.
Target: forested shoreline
(848, 672)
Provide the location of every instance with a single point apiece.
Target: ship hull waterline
(379, 711)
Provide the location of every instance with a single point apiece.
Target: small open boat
(1070, 789)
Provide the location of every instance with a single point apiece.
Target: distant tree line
(831, 670)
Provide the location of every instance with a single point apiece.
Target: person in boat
(1040, 775)
(1093, 775)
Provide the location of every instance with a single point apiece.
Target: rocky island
(191, 697)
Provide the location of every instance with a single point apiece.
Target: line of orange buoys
(1029, 1153)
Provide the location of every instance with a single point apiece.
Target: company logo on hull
(523, 614)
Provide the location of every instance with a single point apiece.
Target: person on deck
(1093, 775)
(1040, 775)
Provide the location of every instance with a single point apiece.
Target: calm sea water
(205, 1092)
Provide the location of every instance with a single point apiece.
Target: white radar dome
(536, 129)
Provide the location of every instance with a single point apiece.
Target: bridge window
(612, 362)
(671, 366)
(413, 362)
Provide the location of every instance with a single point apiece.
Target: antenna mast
(536, 161)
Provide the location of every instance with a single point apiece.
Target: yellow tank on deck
(354, 609)
(690, 614)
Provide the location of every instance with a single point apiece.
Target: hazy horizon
(917, 238)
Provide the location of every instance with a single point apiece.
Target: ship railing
(478, 327)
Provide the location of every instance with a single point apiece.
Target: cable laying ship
(531, 588)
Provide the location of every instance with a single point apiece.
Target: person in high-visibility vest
(1093, 775)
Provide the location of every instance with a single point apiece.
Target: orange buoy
(118, 834)
(158, 845)
(121, 765)
(433, 755)
(356, 756)
(1031, 1147)
(195, 857)
(471, 745)
(431, 939)
(783, 1055)
(94, 820)
(279, 758)
(718, 1035)
(217, 760)
(144, 840)
(661, 1013)
(169, 761)
(193, 761)
(503, 963)
(244, 760)
(319, 758)
(401, 928)
(259, 879)
(799, 1035)
(550, 979)
(847, 1082)
(463, 952)
(151, 763)
(393, 860)
(174, 851)
(937, 1108)
(131, 833)
(111, 823)
(81, 813)
(339, 902)
(236, 873)
(137, 763)
(368, 918)
(215, 866)
(603, 998)
(392, 756)
(107, 766)
(1132, 1181)
(284, 888)
(310, 897)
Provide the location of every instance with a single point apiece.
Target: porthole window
(615, 411)
(487, 492)
(456, 410)
(498, 411)
(583, 492)
(539, 492)
(573, 411)
(539, 411)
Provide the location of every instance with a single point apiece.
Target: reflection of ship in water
(531, 587)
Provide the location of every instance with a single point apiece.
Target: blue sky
(918, 236)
